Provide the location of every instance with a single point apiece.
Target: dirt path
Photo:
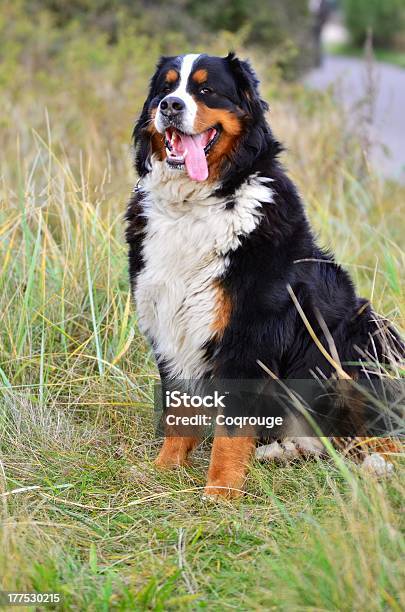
(385, 107)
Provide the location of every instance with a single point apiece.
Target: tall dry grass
(83, 511)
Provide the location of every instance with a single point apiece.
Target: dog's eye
(205, 90)
(166, 88)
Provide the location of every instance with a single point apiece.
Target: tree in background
(320, 10)
(385, 19)
(284, 27)
(270, 24)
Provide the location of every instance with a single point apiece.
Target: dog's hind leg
(290, 448)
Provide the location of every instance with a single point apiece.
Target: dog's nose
(171, 106)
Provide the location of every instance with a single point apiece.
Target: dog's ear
(142, 138)
(248, 86)
(142, 141)
(255, 142)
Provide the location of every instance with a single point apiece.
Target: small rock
(377, 465)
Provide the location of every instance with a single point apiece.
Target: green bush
(385, 18)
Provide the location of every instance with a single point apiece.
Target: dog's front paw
(169, 463)
(221, 489)
(174, 452)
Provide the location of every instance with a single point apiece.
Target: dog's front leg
(179, 439)
(230, 458)
(175, 451)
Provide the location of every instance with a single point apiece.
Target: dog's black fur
(276, 265)
(282, 251)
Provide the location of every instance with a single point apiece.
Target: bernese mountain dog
(227, 276)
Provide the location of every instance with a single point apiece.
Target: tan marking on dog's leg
(230, 458)
(223, 310)
(385, 446)
(175, 451)
(361, 446)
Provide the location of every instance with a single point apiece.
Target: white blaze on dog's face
(198, 108)
(180, 96)
(176, 118)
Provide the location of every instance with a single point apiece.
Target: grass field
(83, 511)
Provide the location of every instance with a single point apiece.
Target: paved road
(387, 111)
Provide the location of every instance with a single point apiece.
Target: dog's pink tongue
(195, 159)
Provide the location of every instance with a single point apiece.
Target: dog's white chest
(188, 239)
(175, 292)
